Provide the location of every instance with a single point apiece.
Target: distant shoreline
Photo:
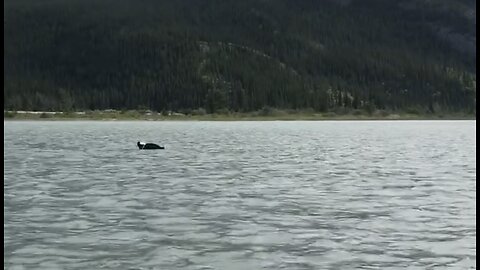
(111, 115)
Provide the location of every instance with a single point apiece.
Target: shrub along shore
(266, 114)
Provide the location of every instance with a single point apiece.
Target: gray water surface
(240, 195)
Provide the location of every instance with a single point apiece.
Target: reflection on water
(234, 195)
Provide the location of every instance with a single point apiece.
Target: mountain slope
(240, 55)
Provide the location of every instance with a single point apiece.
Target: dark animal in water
(148, 146)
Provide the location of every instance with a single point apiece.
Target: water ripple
(239, 195)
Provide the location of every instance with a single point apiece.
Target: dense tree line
(234, 55)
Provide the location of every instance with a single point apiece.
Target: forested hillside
(240, 55)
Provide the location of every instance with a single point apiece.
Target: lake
(240, 195)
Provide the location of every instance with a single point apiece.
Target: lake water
(240, 195)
